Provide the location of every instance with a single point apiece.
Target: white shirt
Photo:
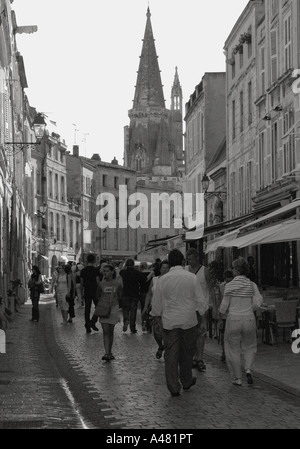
(177, 297)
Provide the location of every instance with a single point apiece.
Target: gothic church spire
(149, 89)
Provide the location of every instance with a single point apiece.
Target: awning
(195, 235)
(280, 232)
(287, 232)
(220, 242)
(276, 214)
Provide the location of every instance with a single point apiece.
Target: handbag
(103, 309)
(41, 288)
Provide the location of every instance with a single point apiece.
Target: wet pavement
(52, 377)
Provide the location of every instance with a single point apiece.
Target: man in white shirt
(177, 297)
(202, 272)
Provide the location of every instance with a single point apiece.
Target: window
(104, 180)
(250, 103)
(50, 184)
(233, 193)
(63, 228)
(242, 111)
(56, 186)
(248, 188)
(51, 224)
(262, 71)
(127, 181)
(275, 149)
(241, 58)
(289, 155)
(233, 68)
(241, 191)
(62, 188)
(261, 159)
(233, 120)
(57, 227)
(249, 45)
(274, 68)
(71, 233)
(287, 44)
(116, 182)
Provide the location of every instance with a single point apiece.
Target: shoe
(237, 382)
(88, 329)
(111, 357)
(106, 357)
(175, 395)
(201, 366)
(144, 327)
(134, 331)
(249, 378)
(159, 353)
(70, 320)
(192, 384)
(125, 326)
(94, 327)
(223, 358)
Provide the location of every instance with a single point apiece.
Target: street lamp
(205, 185)
(39, 126)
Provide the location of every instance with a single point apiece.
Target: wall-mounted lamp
(278, 108)
(39, 126)
(205, 185)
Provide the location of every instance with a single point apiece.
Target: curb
(266, 379)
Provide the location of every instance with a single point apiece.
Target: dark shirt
(252, 274)
(89, 275)
(146, 284)
(133, 282)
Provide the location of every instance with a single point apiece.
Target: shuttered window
(274, 56)
(287, 43)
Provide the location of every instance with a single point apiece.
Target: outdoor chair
(285, 318)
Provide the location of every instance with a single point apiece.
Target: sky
(81, 65)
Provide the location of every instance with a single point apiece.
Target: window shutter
(273, 56)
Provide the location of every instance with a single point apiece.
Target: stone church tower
(154, 137)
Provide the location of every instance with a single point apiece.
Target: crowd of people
(177, 299)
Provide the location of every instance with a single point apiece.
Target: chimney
(76, 150)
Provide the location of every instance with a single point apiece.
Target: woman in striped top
(240, 333)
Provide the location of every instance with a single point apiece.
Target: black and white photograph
(149, 217)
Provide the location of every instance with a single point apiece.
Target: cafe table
(268, 312)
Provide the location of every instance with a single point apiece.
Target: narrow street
(57, 380)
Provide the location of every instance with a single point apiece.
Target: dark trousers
(88, 300)
(35, 313)
(71, 302)
(180, 345)
(129, 307)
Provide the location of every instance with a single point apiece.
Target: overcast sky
(82, 64)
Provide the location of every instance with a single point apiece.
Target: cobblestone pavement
(58, 380)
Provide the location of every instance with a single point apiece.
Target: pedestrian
(54, 281)
(63, 291)
(89, 276)
(156, 320)
(79, 296)
(109, 291)
(196, 267)
(133, 281)
(228, 277)
(241, 298)
(177, 297)
(144, 290)
(35, 285)
(252, 273)
(71, 298)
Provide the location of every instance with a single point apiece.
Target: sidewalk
(276, 365)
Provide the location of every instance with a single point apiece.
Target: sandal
(106, 357)
(201, 366)
(159, 353)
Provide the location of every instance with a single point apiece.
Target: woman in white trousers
(241, 298)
